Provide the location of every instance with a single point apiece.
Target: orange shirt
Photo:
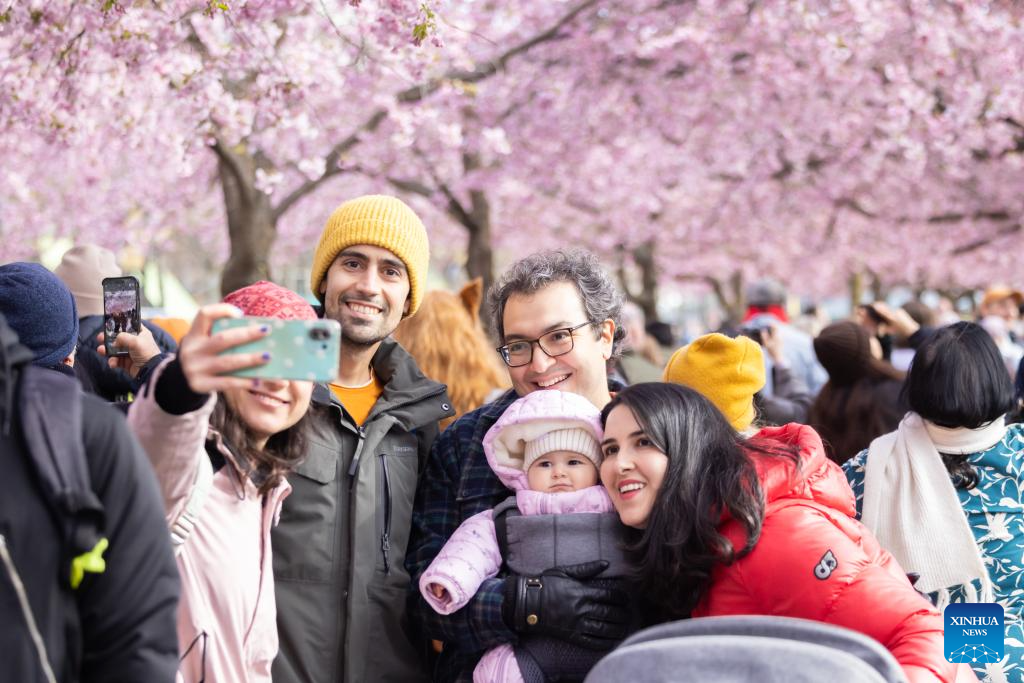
(359, 401)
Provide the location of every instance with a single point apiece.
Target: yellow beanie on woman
(726, 371)
(381, 221)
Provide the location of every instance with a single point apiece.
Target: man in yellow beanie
(339, 550)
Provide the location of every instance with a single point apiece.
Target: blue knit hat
(40, 308)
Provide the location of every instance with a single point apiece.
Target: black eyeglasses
(554, 343)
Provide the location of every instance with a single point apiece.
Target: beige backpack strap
(182, 527)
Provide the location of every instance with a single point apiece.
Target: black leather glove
(559, 604)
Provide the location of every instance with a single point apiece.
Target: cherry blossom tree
(710, 141)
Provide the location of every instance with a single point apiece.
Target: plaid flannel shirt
(458, 483)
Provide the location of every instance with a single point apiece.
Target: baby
(545, 447)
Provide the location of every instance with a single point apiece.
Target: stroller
(748, 648)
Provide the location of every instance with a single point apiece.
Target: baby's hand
(438, 591)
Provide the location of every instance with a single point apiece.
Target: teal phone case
(299, 349)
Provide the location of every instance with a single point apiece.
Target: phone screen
(120, 310)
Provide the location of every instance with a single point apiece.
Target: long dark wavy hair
(710, 474)
(268, 466)
(957, 379)
(861, 400)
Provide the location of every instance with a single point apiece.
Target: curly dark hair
(601, 299)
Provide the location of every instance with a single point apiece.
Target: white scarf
(911, 506)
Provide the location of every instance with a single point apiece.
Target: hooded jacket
(339, 551)
(118, 625)
(227, 631)
(814, 561)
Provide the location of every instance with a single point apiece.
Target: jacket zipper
(353, 468)
(385, 537)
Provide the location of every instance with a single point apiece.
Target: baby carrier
(531, 544)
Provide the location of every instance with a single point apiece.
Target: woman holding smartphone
(221, 447)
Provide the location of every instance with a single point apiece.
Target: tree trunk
(732, 302)
(647, 297)
(251, 224)
(479, 253)
(878, 289)
(477, 221)
(643, 257)
(856, 289)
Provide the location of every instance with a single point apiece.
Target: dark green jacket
(339, 550)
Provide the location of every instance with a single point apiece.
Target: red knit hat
(266, 300)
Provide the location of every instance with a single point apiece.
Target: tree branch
(331, 167)
(417, 93)
(412, 186)
(954, 217)
(974, 245)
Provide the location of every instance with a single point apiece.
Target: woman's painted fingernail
(264, 328)
(266, 355)
(255, 382)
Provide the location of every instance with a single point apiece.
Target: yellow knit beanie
(728, 372)
(381, 221)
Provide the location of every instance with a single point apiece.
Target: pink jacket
(472, 555)
(227, 609)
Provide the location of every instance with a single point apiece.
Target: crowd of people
(446, 510)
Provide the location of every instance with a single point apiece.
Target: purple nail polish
(264, 328)
(266, 355)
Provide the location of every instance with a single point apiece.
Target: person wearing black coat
(116, 620)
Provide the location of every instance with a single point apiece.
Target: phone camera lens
(319, 334)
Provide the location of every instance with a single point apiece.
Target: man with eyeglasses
(557, 316)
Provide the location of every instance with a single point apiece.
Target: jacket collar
(406, 388)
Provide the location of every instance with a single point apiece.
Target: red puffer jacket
(814, 561)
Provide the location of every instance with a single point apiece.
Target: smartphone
(299, 349)
(752, 332)
(755, 327)
(121, 304)
(873, 314)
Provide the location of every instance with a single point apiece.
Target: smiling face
(633, 469)
(582, 370)
(366, 289)
(561, 471)
(271, 406)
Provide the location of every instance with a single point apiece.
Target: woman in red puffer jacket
(759, 526)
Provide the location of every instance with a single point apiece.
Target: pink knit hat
(266, 300)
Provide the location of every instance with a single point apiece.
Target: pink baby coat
(472, 555)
